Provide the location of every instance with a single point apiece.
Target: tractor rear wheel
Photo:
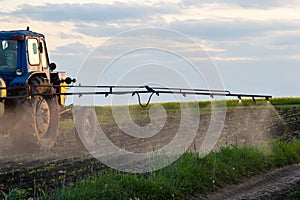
(86, 126)
(39, 118)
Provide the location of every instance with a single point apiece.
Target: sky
(255, 45)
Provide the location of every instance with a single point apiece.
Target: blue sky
(255, 44)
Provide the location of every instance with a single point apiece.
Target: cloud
(100, 29)
(209, 29)
(231, 41)
(73, 49)
(237, 29)
(261, 50)
(288, 39)
(92, 12)
(259, 4)
(68, 36)
(243, 3)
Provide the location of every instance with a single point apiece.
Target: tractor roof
(10, 34)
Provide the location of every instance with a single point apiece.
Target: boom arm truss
(135, 90)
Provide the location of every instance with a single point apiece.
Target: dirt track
(68, 161)
(276, 184)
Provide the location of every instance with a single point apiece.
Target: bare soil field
(42, 172)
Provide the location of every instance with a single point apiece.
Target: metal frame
(136, 90)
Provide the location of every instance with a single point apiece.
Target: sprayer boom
(133, 90)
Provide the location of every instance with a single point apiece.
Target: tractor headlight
(19, 72)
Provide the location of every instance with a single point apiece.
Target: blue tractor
(29, 97)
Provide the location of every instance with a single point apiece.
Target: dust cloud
(254, 125)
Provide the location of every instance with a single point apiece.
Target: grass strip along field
(187, 176)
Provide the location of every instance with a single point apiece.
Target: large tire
(38, 126)
(86, 126)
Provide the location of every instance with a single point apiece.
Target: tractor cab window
(8, 55)
(33, 52)
(43, 55)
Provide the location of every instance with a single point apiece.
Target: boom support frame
(107, 90)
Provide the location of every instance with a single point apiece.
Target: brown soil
(276, 184)
(38, 172)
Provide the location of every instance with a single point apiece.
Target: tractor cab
(23, 58)
(22, 54)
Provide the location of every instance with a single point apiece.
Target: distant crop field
(173, 108)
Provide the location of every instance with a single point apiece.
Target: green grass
(294, 196)
(188, 175)
(285, 101)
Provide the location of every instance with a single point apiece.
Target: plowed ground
(42, 172)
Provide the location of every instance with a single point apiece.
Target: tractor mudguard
(23, 80)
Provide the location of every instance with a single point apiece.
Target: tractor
(30, 100)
